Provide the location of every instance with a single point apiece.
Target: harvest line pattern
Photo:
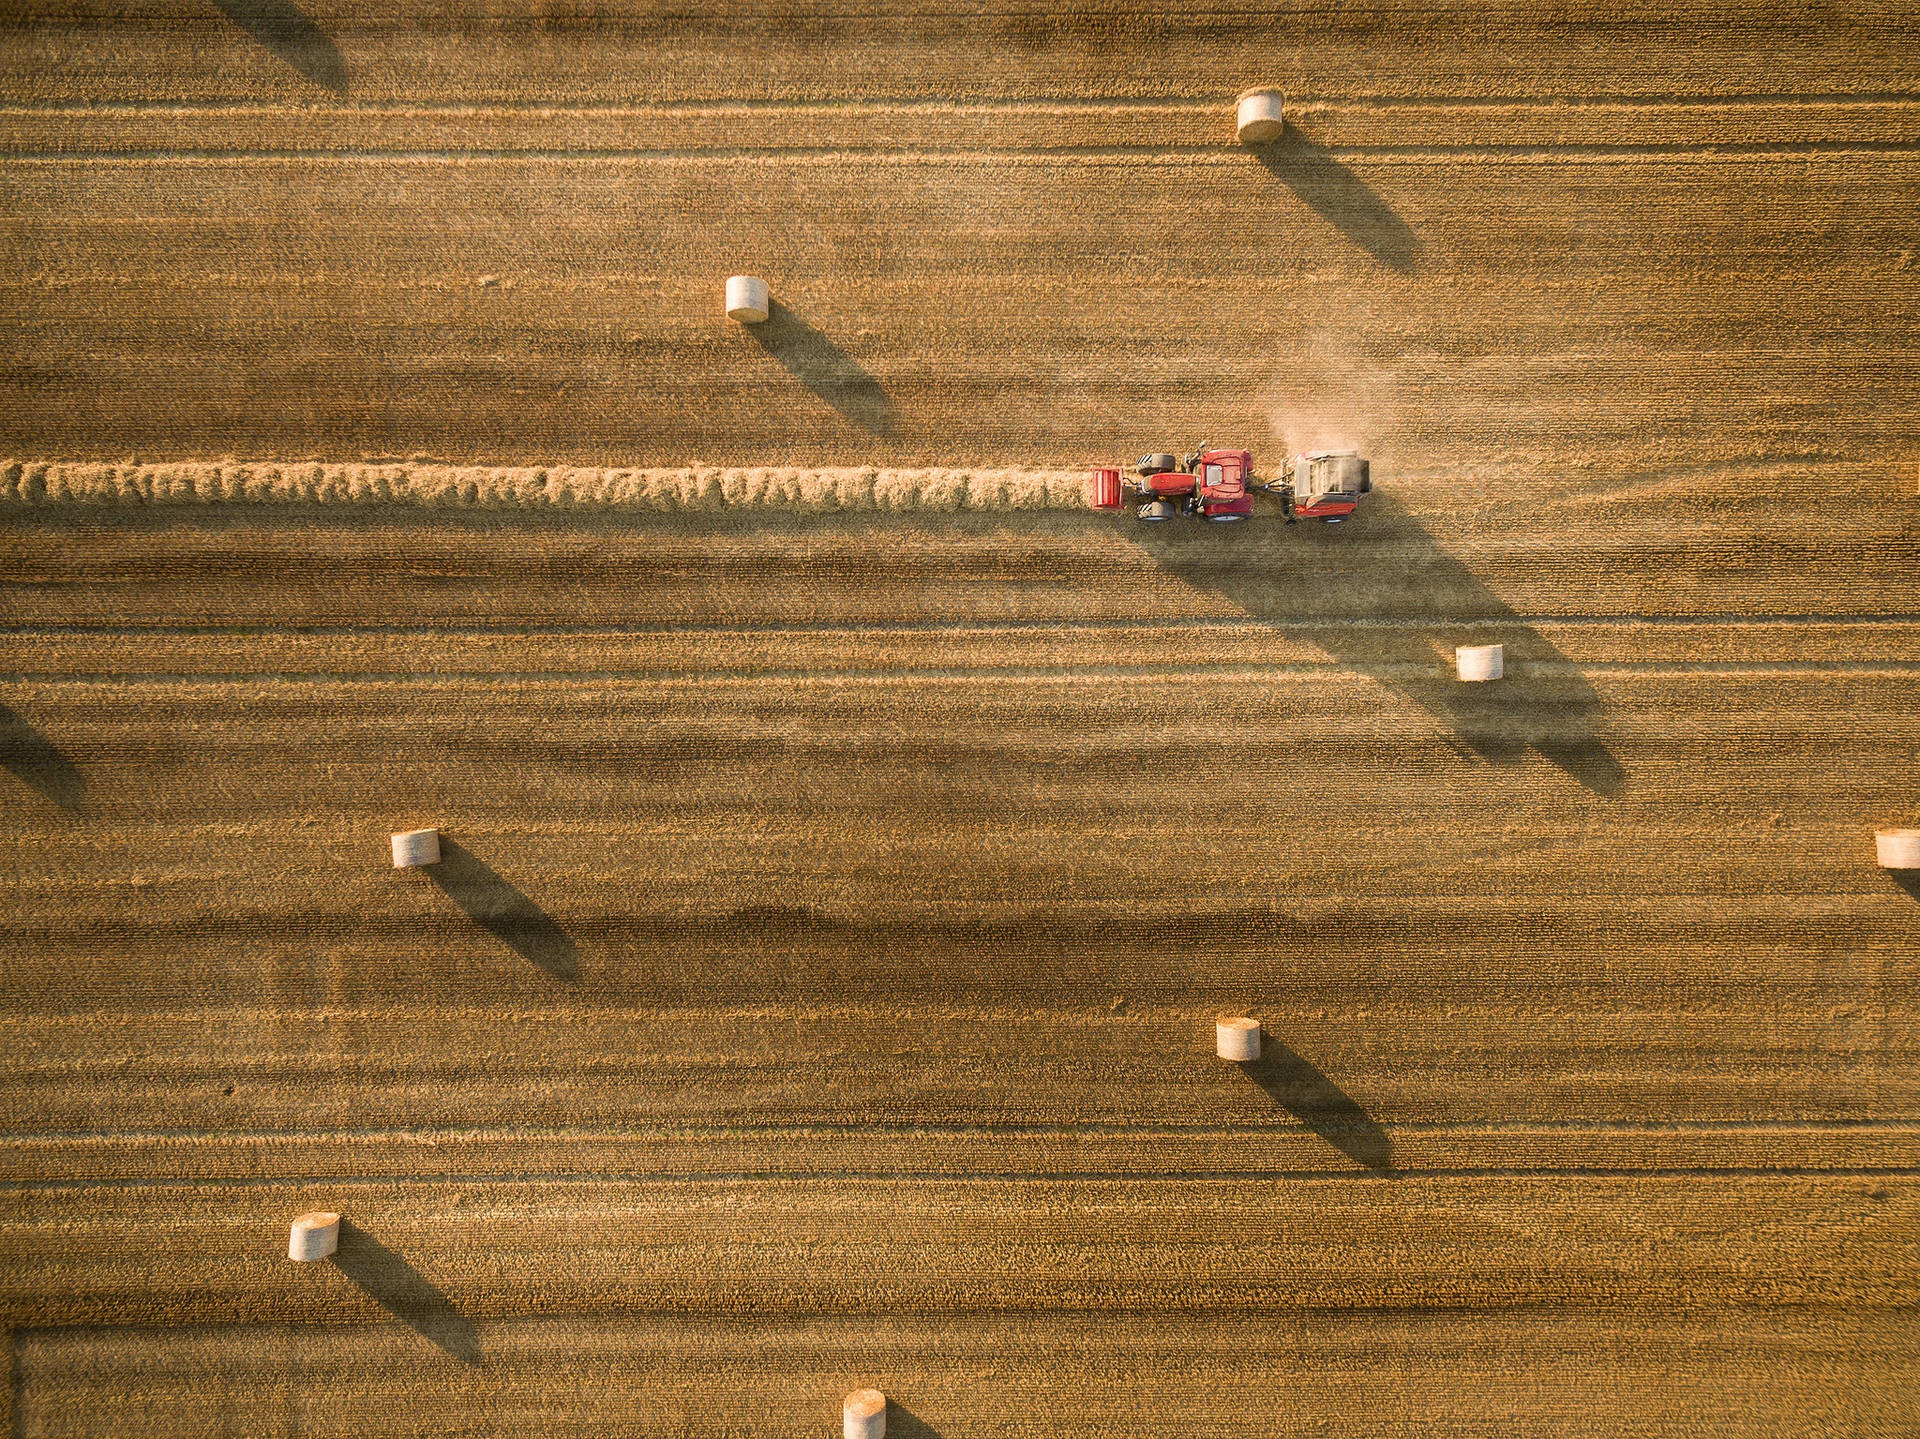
(1708, 151)
(994, 674)
(1893, 1124)
(1037, 104)
(1537, 618)
(539, 1178)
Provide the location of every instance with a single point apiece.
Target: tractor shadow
(498, 906)
(38, 762)
(404, 1292)
(1341, 198)
(1320, 1104)
(824, 368)
(1366, 591)
(284, 28)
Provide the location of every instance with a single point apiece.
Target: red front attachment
(1103, 490)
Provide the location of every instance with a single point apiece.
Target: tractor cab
(1222, 481)
(1327, 484)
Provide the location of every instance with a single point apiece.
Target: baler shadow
(38, 762)
(498, 907)
(1365, 592)
(823, 367)
(284, 28)
(1320, 1104)
(404, 1292)
(782, 921)
(1341, 198)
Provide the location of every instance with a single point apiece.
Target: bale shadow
(1320, 1104)
(498, 907)
(1367, 592)
(284, 28)
(38, 762)
(903, 1423)
(1341, 198)
(824, 368)
(1907, 879)
(405, 1292)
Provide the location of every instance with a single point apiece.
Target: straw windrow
(693, 487)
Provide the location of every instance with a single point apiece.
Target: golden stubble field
(818, 988)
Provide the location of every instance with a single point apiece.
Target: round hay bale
(313, 1236)
(416, 846)
(1898, 848)
(747, 300)
(863, 1415)
(1479, 663)
(1259, 117)
(1237, 1038)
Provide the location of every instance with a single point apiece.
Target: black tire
(1155, 511)
(1157, 465)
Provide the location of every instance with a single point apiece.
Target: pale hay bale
(1237, 1038)
(1479, 664)
(1898, 848)
(313, 1236)
(863, 1415)
(747, 299)
(1258, 120)
(415, 847)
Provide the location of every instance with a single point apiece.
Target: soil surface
(817, 990)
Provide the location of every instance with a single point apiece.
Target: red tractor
(1217, 484)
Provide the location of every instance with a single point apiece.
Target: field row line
(1008, 674)
(961, 104)
(1889, 619)
(1215, 153)
(428, 1136)
(597, 1179)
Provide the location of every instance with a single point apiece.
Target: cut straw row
(694, 487)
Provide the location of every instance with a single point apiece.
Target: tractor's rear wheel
(1157, 465)
(1156, 510)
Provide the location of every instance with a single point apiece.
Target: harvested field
(849, 841)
